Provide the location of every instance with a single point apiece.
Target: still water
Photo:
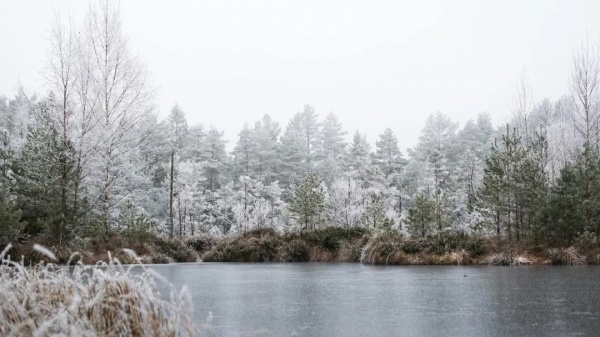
(357, 300)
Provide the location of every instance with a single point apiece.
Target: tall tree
(387, 155)
(308, 201)
(120, 84)
(585, 93)
(214, 159)
(265, 146)
(243, 153)
(332, 149)
(421, 217)
(310, 127)
(38, 179)
(293, 153)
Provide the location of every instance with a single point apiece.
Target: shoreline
(328, 245)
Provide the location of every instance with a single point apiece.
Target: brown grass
(101, 300)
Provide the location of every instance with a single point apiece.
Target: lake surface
(306, 299)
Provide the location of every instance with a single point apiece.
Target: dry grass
(566, 257)
(100, 300)
(384, 249)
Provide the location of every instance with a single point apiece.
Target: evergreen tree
(214, 159)
(38, 183)
(375, 212)
(243, 153)
(308, 201)
(178, 129)
(10, 215)
(265, 148)
(491, 194)
(310, 127)
(293, 153)
(421, 217)
(332, 149)
(358, 160)
(562, 217)
(388, 156)
(331, 141)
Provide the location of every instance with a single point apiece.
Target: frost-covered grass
(107, 299)
(567, 257)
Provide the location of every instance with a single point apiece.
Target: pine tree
(308, 201)
(310, 127)
(244, 153)
(266, 148)
(10, 215)
(421, 217)
(214, 159)
(358, 160)
(562, 218)
(491, 194)
(38, 182)
(293, 154)
(332, 149)
(388, 156)
(178, 129)
(375, 212)
(331, 141)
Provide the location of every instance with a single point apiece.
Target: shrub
(499, 259)
(332, 238)
(260, 232)
(566, 257)
(245, 249)
(200, 243)
(160, 258)
(295, 251)
(412, 246)
(176, 249)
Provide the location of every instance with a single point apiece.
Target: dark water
(357, 300)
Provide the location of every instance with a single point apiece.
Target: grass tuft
(566, 257)
(100, 300)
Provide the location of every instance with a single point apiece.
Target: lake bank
(332, 244)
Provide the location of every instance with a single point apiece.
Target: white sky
(375, 64)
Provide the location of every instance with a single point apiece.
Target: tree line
(91, 158)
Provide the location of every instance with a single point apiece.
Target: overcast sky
(375, 64)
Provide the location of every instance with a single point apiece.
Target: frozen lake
(357, 300)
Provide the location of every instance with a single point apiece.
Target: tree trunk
(171, 197)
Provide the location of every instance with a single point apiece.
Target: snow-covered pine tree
(38, 179)
(332, 149)
(215, 160)
(243, 154)
(265, 147)
(293, 154)
(388, 156)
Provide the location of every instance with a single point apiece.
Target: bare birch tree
(120, 84)
(523, 105)
(584, 86)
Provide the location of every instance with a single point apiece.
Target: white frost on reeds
(101, 300)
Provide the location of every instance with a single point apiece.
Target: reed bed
(106, 299)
